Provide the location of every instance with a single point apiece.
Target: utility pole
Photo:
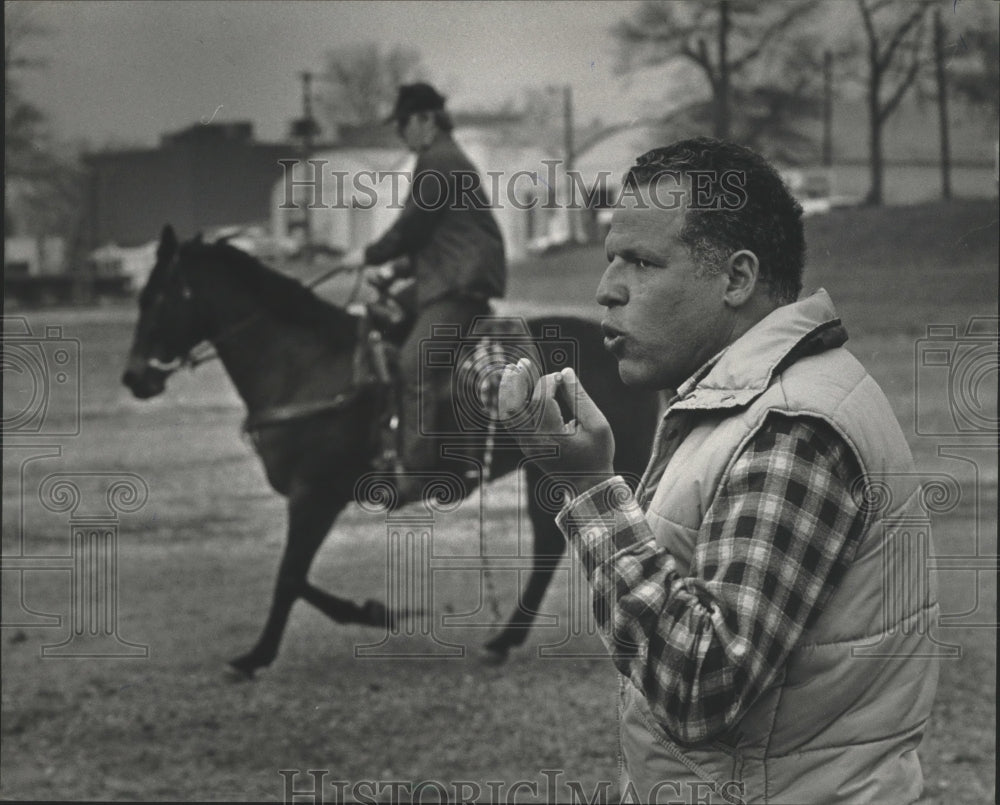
(305, 128)
(568, 126)
(722, 100)
(942, 97)
(568, 155)
(307, 78)
(827, 109)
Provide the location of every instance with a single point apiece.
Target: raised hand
(585, 445)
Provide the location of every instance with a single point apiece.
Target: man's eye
(643, 263)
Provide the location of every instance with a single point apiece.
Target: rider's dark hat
(419, 97)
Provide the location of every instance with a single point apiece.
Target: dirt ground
(196, 561)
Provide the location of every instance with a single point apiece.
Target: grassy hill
(889, 269)
(895, 269)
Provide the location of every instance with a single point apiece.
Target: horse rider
(454, 251)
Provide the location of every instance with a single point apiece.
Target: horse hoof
(234, 672)
(375, 613)
(493, 655)
(243, 668)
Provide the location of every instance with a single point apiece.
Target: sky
(126, 72)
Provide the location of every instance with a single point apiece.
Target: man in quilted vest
(768, 613)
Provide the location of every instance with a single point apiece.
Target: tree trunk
(874, 197)
(942, 98)
(827, 109)
(722, 90)
(575, 235)
(874, 136)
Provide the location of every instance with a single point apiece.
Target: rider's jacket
(446, 229)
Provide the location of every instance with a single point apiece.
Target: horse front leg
(549, 545)
(310, 515)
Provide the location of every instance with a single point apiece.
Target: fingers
(562, 414)
(560, 397)
(522, 389)
(551, 420)
(515, 390)
(577, 400)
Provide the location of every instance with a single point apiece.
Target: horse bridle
(188, 358)
(191, 359)
(282, 413)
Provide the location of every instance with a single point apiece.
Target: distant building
(358, 190)
(30, 249)
(199, 178)
(130, 263)
(29, 256)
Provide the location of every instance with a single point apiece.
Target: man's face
(417, 130)
(664, 318)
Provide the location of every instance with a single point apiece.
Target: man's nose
(611, 290)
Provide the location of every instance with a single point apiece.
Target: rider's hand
(585, 445)
(381, 277)
(353, 259)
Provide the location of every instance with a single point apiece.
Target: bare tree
(723, 40)
(25, 132)
(941, 82)
(967, 68)
(360, 82)
(973, 60)
(44, 180)
(768, 114)
(895, 39)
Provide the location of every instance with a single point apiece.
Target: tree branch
(779, 26)
(901, 32)
(866, 19)
(904, 84)
(705, 61)
(658, 35)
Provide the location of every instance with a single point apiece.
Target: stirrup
(387, 462)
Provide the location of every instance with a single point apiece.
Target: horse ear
(168, 243)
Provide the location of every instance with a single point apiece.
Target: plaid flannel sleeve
(773, 546)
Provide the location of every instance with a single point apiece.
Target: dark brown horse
(314, 418)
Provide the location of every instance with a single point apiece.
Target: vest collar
(742, 371)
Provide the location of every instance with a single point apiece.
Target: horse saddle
(472, 378)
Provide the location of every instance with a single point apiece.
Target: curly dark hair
(742, 204)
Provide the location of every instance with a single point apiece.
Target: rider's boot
(414, 465)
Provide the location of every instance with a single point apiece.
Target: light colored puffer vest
(843, 719)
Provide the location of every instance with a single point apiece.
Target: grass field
(197, 562)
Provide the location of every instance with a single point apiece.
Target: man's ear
(742, 271)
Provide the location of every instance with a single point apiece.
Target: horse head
(168, 327)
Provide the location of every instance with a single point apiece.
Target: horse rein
(193, 360)
(364, 346)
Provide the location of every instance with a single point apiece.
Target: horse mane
(284, 296)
